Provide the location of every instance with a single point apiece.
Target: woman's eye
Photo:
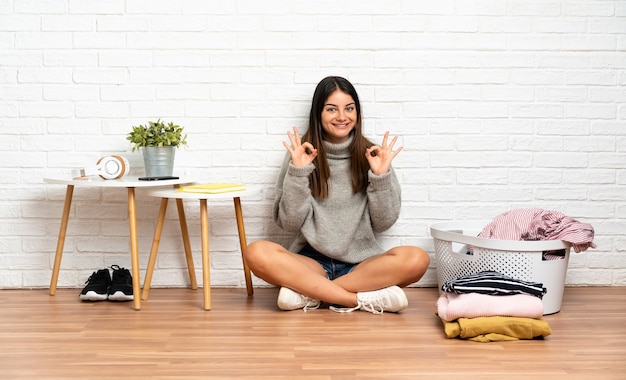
(350, 109)
(330, 109)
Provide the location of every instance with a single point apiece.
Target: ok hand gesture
(380, 157)
(302, 154)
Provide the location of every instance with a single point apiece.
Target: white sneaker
(292, 300)
(391, 299)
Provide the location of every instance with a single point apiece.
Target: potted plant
(158, 142)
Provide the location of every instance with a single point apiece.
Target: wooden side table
(129, 183)
(165, 195)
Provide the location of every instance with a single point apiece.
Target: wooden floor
(58, 337)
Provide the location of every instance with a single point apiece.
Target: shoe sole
(93, 296)
(120, 296)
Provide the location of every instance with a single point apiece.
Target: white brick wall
(499, 105)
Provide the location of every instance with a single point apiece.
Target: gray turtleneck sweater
(343, 226)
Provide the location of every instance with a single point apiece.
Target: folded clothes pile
(490, 306)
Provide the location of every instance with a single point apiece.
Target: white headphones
(112, 167)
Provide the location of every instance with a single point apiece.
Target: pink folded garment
(451, 306)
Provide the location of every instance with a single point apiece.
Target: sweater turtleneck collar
(341, 150)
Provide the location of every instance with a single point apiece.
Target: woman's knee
(415, 261)
(253, 251)
(257, 253)
(422, 259)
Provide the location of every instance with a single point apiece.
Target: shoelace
(367, 306)
(121, 272)
(93, 276)
(311, 304)
(372, 307)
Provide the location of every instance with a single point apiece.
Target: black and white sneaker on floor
(97, 288)
(121, 288)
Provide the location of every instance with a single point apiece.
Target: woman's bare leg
(400, 266)
(278, 266)
(274, 264)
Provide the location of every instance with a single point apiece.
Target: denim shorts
(334, 268)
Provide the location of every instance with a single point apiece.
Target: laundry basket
(460, 252)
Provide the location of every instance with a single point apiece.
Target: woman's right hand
(302, 154)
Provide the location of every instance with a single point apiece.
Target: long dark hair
(318, 181)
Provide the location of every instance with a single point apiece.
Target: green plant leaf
(157, 133)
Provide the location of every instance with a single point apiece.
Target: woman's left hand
(380, 157)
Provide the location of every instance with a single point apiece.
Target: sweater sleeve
(384, 198)
(293, 201)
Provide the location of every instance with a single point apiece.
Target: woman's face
(338, 117)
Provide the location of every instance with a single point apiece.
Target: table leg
(243, 244)
(155, 249)
(206, 270)
(61, 240)
(185, 234)
(134, 247)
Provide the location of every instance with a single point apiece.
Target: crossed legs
(274, 264)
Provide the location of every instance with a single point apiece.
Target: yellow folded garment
(212, 188)
(497, 328)
(492, 337)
